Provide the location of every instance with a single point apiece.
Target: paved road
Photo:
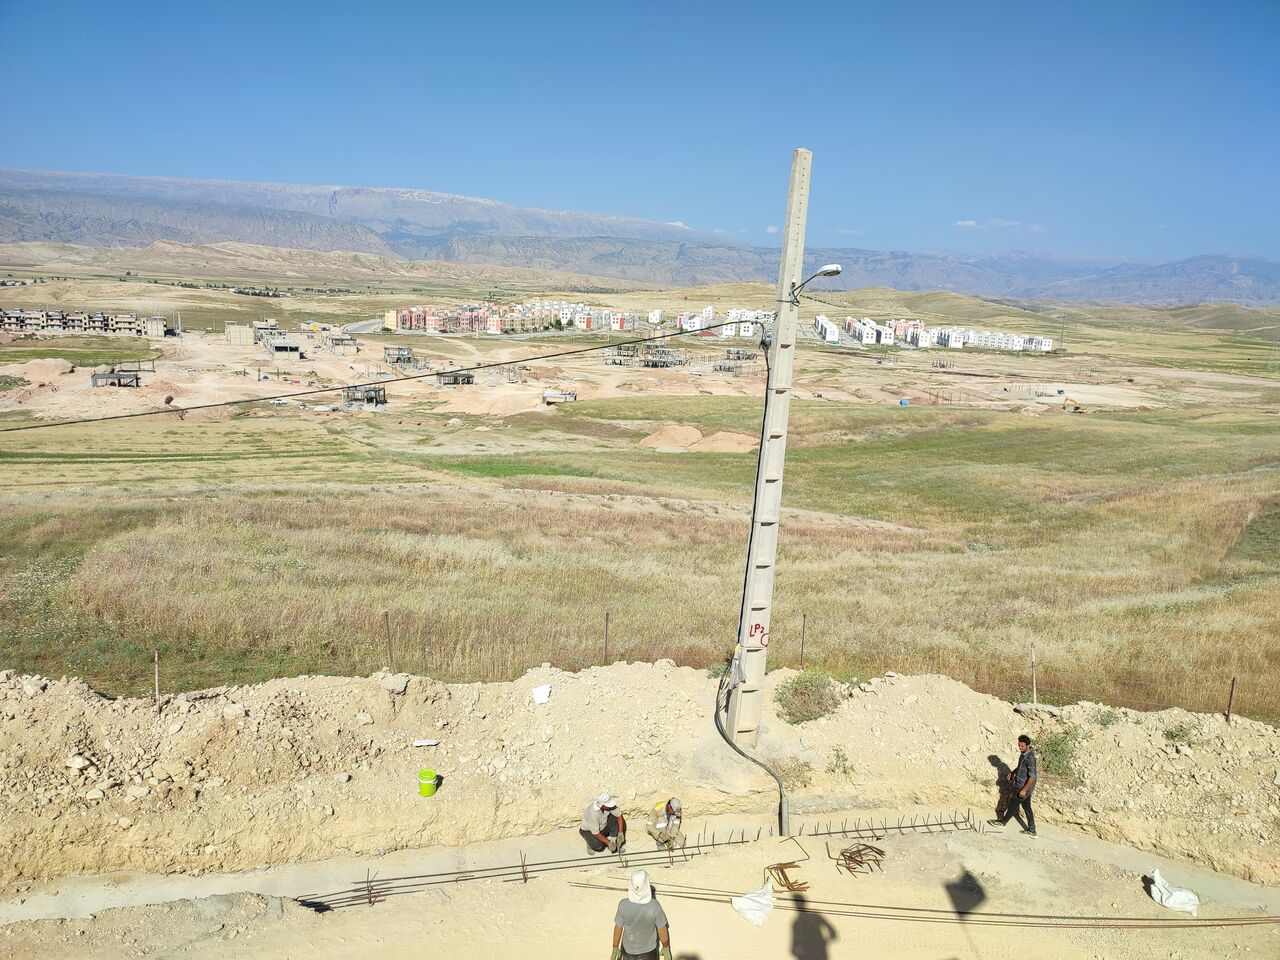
(363, 326)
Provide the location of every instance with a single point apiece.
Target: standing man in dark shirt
(1023, 779)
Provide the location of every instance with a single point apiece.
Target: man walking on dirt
(1023, 779)
(640, 924)
(603, 825)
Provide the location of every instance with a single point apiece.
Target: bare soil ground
(311, 768)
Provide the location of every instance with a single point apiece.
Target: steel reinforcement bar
(372, 890)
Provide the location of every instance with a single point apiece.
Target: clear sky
(1146, 128)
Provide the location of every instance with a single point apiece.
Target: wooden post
(606, 638)
(1035, 696)
(156, 659)
(1231, 699)
(804, 625)
(386, 621)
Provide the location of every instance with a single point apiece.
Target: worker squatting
(639, 925)
(605, 828)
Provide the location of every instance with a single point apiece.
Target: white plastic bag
(755, 906)
(541, 694)
(1175, 898)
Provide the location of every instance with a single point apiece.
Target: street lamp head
(830, 270)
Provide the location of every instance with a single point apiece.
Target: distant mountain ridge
(112, 210)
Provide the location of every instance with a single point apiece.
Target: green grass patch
(1260, 541)
(1182, 733)
(78, 351)
(503, 467)
(1057, 751)
(807, 696)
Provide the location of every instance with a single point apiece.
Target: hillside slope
(110, 210)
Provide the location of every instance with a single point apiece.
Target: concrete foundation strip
(835, 908)
(371, 890)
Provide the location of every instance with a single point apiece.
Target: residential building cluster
(491, 318)
(737, 322)
(914, 333)
(467, 318)
(56, 321)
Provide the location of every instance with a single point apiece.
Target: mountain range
(114, 210)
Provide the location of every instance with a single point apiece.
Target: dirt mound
(37, 371)
(724, 441)
(673, 436)
(311, 767)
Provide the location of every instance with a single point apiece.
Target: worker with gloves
(664, 824)
(603, 825)
(640, 924)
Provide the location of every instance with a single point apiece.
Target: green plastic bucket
(428, 780)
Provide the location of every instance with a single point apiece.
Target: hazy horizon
(1097, 131)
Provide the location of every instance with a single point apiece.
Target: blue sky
(1125, 128)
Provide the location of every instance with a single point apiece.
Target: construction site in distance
(667, 481)
(746, 810)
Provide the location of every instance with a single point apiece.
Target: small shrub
(718, 670)
(1057, 751)
(839, 763)
(1184, 733)
(794, 773)
(1106, 718)
(807, 696)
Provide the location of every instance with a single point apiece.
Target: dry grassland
(1139, 550)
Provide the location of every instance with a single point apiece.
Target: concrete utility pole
(746, 701)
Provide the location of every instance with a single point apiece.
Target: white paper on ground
(1175, 898)
(426, 743)
(542, 694)
(755, 906)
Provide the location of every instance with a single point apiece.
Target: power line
(370, 383)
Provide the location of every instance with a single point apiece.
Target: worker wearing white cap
(664, 823)
(603, 825)
(640, 923)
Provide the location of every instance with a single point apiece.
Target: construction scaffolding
(135, 366)
(340, 344)
(516, 373)
(115, 378)
(398, 355)
(367, 394)
(660, 357)
(737, 362)
(621, 355)
(455, 378)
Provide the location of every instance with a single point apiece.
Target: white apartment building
(862, 329)
(708, 314)
(827, 330)
(998, 341)
(655, 317)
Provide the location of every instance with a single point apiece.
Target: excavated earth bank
(315, 767)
